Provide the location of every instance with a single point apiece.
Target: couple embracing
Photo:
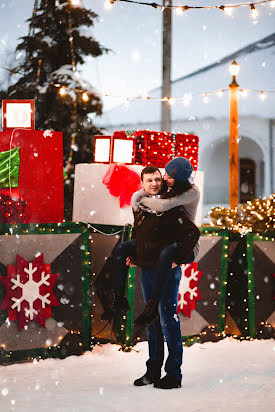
(164, 236)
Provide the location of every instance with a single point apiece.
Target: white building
(210, 121)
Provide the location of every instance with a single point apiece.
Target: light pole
(166, 66)
(234, 137)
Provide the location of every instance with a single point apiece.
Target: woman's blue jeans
(168, 326)
(166, 257)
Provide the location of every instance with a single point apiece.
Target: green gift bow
(9, 160)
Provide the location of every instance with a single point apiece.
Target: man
(153, 233)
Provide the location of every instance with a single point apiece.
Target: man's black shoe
(145, 380)
(149, 314)
(119, 305)
(168, 382)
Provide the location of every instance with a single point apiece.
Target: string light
(228, 11)
(262, 96)
(253, 216)
(62, 91)
(180, 10)
(85, 97)
(254, 12)
(220, 93)
(243, 93)
(185, 99)
(171, 101)
(108, 5)
(227, 8)
(205, 98)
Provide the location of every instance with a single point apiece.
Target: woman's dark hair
(176, 190)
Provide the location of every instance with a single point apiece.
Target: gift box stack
(158, 148)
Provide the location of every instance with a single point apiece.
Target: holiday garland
(256, 216)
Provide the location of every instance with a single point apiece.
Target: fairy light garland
(186, 98)
(181, 9)
(256, 216)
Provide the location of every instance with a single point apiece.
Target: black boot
(146, 379)
(149, 314)
(168, 382)
(119, 305)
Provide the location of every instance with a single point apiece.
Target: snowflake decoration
(188, 290)
(29, 291)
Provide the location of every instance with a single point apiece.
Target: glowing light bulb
(228, 11)
(126, 102)
(179, 11)
(243, 93)
(171, 101)
(62, 91)
(85, 97)
(205, 98)
(254, 12)
(220, 93)
(108, 5)
(262, 96)
(187, 97)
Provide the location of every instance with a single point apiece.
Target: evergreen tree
(57, 43)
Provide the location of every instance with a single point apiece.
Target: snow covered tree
(59, 38)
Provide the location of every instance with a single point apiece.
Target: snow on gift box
(44, 291)
(35, 174)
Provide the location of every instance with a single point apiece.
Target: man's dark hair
(148, 170)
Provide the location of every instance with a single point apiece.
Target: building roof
(257, 64)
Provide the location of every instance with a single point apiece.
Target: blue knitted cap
(179, 169)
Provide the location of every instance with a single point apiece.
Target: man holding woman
(164, 236)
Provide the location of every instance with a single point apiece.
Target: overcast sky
(134, 34)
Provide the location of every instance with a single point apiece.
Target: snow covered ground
(224, 376)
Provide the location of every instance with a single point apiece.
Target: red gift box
(40, 173)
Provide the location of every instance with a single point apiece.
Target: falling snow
(47, 133)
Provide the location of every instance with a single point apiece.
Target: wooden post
(234, 144)
(166, 66)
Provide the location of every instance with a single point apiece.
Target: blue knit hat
(179, 169)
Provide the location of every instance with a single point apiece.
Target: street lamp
(234, 137)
